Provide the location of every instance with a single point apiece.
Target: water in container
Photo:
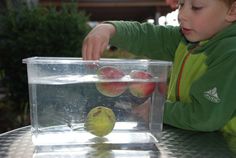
(114, 101)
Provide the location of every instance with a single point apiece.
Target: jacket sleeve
(145, 39)
(213, 98)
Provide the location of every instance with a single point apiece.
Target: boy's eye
(196, 8)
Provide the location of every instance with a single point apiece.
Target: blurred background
(57, 28)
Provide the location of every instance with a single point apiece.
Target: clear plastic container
(63, 90)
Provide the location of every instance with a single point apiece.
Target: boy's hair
(228, 2)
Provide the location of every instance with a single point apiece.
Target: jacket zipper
(180, 77)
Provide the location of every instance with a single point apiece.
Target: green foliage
(36, 31)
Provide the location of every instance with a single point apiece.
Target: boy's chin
(195, 39)
(192, 40)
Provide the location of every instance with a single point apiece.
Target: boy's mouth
(185, 31)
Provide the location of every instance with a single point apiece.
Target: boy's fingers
(100, 49)
(104, 47)
(88, 52)
(85, 47)
(84, 51)
(95, 53)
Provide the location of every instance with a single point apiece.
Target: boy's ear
(231, 16)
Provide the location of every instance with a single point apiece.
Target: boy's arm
(156, 42)
(213, 100)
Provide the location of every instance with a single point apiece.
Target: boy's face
(201, 19)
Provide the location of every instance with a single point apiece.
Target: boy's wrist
(110, 27)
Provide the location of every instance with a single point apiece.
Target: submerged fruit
(142, 88)
(162, 88)
(108, 87)
(100, 121)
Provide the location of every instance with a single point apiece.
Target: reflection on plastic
(100, 150)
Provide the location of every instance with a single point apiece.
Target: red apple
(107, 88)
(162, 87)
(141, 89)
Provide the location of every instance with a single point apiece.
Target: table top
(174, 143)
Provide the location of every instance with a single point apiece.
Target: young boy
(202, 88)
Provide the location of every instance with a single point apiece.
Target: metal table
(174, 143)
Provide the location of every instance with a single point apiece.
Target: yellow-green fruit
(100, 121)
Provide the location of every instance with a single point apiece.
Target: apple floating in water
(141, 89)
(111, 89)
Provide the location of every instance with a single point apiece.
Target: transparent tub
(62, 91)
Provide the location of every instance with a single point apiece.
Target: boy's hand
(97, 41)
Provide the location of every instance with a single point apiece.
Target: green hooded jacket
(202, 87)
